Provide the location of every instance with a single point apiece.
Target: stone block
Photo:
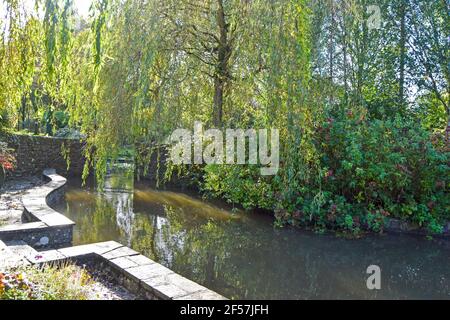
(119, 252)
(104, 247)
(72, 252)
(148, 271)
(150, 283)
(141, 260)
(123, 263)
(168, 291)
(45, 257)
(202, 295)
(187, 285)
(21, 248)
(31, 226)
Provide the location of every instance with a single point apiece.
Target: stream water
(242, 256)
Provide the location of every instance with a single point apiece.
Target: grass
(50, 282)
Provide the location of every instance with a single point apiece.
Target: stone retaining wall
(36, 153)
(398, 226)
(135, 272)
(43, 227)
(155, 169)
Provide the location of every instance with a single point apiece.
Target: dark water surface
(241, 255)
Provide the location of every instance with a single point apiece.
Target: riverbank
(386, 224)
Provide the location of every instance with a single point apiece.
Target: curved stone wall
(43, 227)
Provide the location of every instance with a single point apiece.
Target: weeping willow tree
(19, 49)
(136, 70)
(164, 65)
(167, 64)
(34, 59)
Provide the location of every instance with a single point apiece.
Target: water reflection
(242, 256)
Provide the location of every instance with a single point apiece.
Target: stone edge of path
(393, 225)
(46, 228)
(135, 272)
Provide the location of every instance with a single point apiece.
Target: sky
(82, 6)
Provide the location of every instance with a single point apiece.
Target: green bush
(242, 185)
(385, 168)
(369, 170)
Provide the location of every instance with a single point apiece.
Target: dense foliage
(361, 100)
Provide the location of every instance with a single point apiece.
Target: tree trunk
(362, 55)
(2, 176)
(401, 92)
(447, 131)
(218, 101)
(331, 49)
(344, 52)
(221, 75)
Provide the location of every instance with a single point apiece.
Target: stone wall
(43, 227)
(156, 167)
(149, 169)
(137, 273)
(36, 153)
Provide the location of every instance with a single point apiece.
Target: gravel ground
(105, 286)
(103, 289)
(10, 198)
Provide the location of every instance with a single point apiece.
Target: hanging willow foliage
(136, 70)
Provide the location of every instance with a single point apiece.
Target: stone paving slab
(55, 219)
(148, 271)
(184, 283)
(21, 248)
(105, 247)
(21, 227)
(168, 291)
(119, 252)
(150, 283)
(201, 295)
(141, 260)
(45, 257)
(172, 285)
(123, 263)
(98, 248)
(126, 262)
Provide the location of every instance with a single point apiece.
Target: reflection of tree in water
(123, 203)
(103, 216)
(96, 223)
